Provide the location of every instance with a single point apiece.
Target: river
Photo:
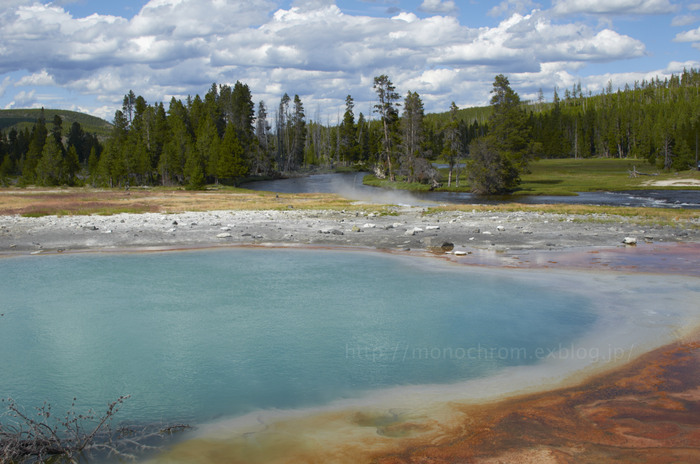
(350, 185)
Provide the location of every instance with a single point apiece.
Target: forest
(224, 137)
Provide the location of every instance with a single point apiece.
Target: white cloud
(438, 6)
(314, 49)
(692, 35)
(36, 79)
(4, 85)
(684, 20)
(513, 6)
(612, 7)
(23, 99)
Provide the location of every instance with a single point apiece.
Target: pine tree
(231, 161)
(387, 109)
(262, 163)
(452, 147)
(497, 158)
(35, 149)
(509, 130)
(51, 168)
(348, 139)
(295, 156)
(412, 126)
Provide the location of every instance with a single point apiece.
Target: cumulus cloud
(313, 48)
(612, 7)
(692, 35)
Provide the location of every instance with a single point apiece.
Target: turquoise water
(199, 335)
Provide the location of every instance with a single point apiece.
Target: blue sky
(85, 55)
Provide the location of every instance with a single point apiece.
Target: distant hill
(19, 119)
(478, 114)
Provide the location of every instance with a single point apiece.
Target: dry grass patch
(42, 202)
(655, 215)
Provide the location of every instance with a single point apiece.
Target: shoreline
(519, 239)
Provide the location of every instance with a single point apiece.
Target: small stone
(500, 228)
(460, 253)
(630, 241)
(447, 246)
(223, 235)
(432, 228)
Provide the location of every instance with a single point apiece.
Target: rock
(630, 241)
(447, 246)
(432, 228)
(500, 228)
(331, 231)
(356, 229)
(413, 231)
(223, 235)
(369, 226)
(225, 229)
(460, 253)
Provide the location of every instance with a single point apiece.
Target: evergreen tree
(452, 147)
(348, 140)
(34, 150)
(412, 126)
(243, 114)
(386, 107)
(295, 156)
(282, 132)
(363, 133)
(489, 170)
(51, 168)
(509, 130)
(262, 164)
(231, 159)
(497, 158)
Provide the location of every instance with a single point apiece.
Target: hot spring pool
(200, 335)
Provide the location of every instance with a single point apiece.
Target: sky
(85, 55)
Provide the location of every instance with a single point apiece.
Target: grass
(590, 213)
(561, 177)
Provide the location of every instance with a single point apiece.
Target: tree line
(224, 137)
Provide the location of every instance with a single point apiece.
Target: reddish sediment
(646, 411)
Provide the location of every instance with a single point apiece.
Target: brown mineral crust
(647, 411)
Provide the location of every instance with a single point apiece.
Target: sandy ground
(674, 183)
(406, 229)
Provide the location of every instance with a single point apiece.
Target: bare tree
(39, 435)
